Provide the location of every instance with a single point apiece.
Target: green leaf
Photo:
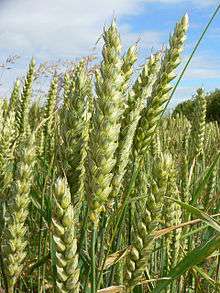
(193, 258)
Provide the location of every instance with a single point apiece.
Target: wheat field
(103, 192)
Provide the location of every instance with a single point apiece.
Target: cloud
(202, 3)
(151, 40)
(58, 27)
(182, 93)
(204, 71)
(204, 67)
(66, 27)
(52, 29)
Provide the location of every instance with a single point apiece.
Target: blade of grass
(193, 258)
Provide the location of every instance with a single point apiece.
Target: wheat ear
(137, 260)
(75, 127)
(50, 116)
(65, 240)
(105, 122)
(129, 60)
(201, 120)
(22, 110)
(15, 96)
(160, 93)
(66, 89)
(7, 145)
(14, 240)
(172, 216)
(132, 115)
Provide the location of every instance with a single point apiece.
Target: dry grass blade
(165, 231)
(113, 289)
(116, 257)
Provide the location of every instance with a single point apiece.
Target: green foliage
(185, 108)
(213, 104)
(188, 108)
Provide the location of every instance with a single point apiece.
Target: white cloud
(182, 93)
(146, 39)
(49, 29)
(52, 29)
(204, 67)
(58, 27)
(204, 71)
(65, 27)
(194, 2)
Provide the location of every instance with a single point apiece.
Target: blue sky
(69, 29)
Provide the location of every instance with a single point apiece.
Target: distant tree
(188, 107)
(213, 106)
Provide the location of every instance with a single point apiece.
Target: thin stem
(129, 224)
(101, 237)
(217, 269)
(83, 231)
(3, 272)
(93, 259)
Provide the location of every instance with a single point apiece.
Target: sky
(50, 30)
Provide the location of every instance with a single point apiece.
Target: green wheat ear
(15, 96)
(14, 239)
(136, 97)
(201, 121)
(50, 116)
(23, 106)
(129, 60)
(75, 116)
(7, 146)
(109, 107)
(149, 220)
(65, 240)
(161, 88)
(172, 216)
